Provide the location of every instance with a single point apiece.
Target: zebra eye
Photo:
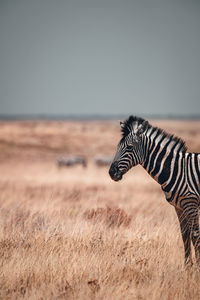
(130, 147)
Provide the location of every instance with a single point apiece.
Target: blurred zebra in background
(102, 161)
(166, 159)
(71, 161)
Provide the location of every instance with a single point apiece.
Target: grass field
(73, 233)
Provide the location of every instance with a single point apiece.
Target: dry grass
(75, 234)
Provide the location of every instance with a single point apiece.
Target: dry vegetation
(73, 233)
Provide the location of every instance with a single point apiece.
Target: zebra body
(102, 161)
(71, 161)
(166, 159)
(187, 182)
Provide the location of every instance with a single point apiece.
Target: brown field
(73, 233)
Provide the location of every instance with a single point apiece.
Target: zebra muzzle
(114, 172)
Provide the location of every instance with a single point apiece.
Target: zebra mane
(128, 126)
(172, 137)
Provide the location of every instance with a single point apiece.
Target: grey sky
(99, 57)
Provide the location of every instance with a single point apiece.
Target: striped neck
(163, 153)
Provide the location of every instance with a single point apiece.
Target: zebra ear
(122, 124)
(142, 127)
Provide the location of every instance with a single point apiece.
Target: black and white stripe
(166, 159)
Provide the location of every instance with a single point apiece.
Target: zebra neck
(162, 157)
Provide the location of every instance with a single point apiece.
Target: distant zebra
(166, 159)
(102, 161)
(71, 161)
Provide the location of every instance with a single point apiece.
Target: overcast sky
(100, 57)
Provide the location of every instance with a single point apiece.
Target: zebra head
(130, 150)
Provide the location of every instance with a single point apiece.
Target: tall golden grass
(73, 233)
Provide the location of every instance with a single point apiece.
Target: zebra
(165, 158)
(102, 161)
(71, 161)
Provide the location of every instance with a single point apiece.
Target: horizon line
(82, 117)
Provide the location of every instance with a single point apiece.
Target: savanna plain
(73, 233)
